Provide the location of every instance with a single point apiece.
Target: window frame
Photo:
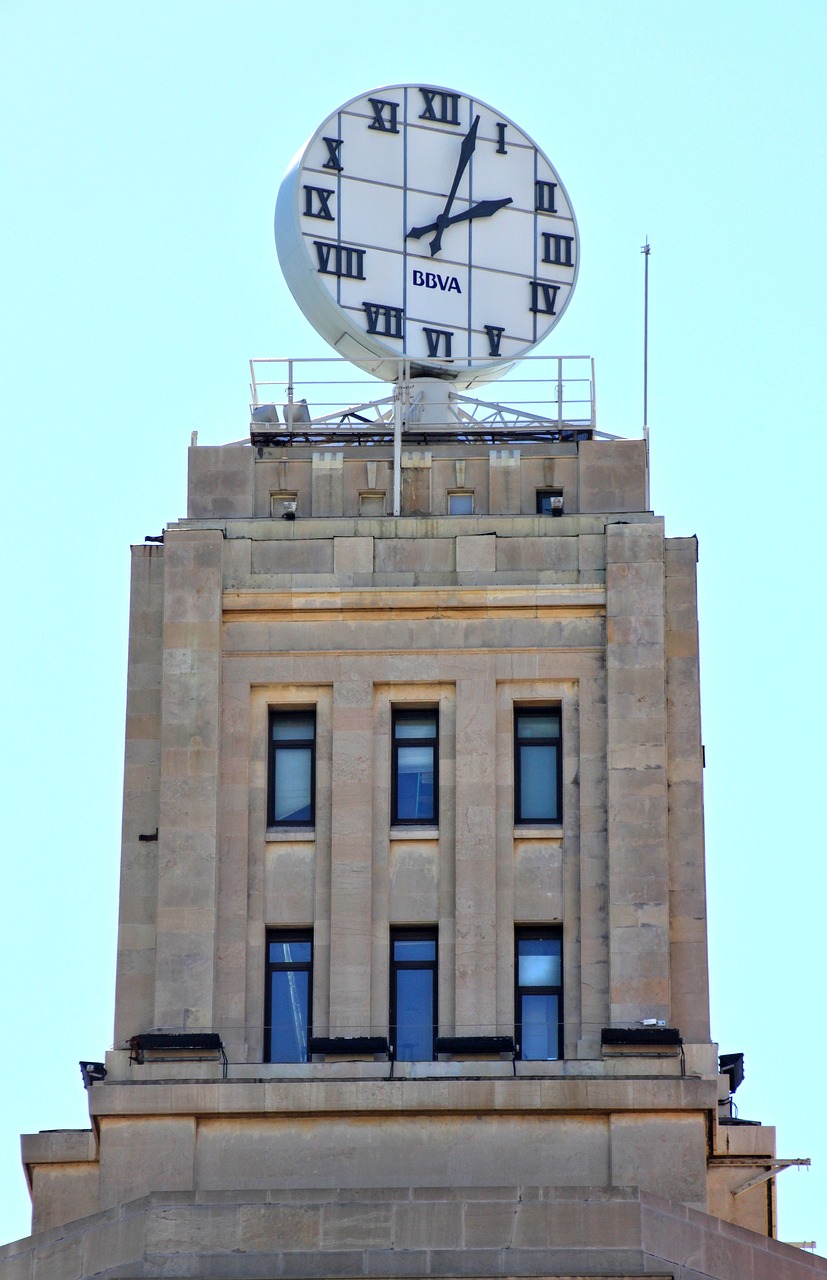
(536, 711)
(460, 493)
(412, 933)
(529, 933)
(547, 493)
(400, 715)
(273, 747)
(274, 966)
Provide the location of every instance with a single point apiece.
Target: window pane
(288, 1014)
(415, 783)
(290, 952)
(414, 1015)
(414, 949)
(293, 728)
(540, 962)
(540, 1040)
(543, 726)
(538, 783)
(460, 504)
(423, 726)
(293, 799)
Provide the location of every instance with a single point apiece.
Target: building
(412, 967)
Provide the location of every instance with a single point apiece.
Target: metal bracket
(775, 1167)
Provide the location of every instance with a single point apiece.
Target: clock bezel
(333, 322)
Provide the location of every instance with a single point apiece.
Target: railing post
(398, 393)
(289, 406)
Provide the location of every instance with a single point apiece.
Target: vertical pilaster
(134, 987)
(351, 854)
(190, 717)
(689, 975)
(475, 850)
(636, 760)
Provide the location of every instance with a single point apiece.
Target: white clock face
(419, 222)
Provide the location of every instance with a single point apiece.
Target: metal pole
(646, 250)
(397, 442)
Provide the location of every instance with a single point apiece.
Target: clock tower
(412, 950)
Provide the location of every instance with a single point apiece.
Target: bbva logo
(431, 280)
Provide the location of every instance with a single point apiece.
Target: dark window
(537, 764)
(413, 994)
(414, 768)
(549, 502)
(538, 1012)
(289, 996)
(292, 783)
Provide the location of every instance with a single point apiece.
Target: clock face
(420, 222)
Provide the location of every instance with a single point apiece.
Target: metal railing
(329, 400)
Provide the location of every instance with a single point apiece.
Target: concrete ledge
(450, 1094)
(514, 1231)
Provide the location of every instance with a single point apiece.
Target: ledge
(290, 835)
(315, 1093)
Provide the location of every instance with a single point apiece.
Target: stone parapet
(420, 1232)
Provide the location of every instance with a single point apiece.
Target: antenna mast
(645, 249)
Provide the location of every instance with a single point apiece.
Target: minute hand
(469, 142)
(483, 209)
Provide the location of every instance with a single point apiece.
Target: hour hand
(482, 209)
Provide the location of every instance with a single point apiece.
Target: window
(288, 999)
(292, 780)
(538, 1011)
(549, 502)
(460, 503)
(414, 767)
(372, 502)
(413, 994)
(282, 501)
(537, 764)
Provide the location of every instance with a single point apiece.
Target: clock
(420, 222)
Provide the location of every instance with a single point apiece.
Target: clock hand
(483, 209)
(469, 142)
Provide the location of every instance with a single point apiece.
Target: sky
(141, 150)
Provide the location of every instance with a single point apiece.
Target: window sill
(414, 832)
(292, 834)
(529, 831)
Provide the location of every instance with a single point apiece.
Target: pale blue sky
(141, 151)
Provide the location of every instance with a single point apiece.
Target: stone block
(504, 481)
(352, 555)
(220, 482)
(288, 556)
(612, 476)
(476, 553)
(327, 482)
(279, 1228)
(428, 1225)
(144, 1154)
(357, 1226)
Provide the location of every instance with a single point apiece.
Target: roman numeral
(320, 208)
(384, 115)
(557, 249)
(543, 297)
(334, 154)
(501, 128)
(383, 319)
(439, 106)
(544, 197)
(340, 260)
(495, 336)
(437, 338)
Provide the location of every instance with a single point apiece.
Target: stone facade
(607, 1160)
